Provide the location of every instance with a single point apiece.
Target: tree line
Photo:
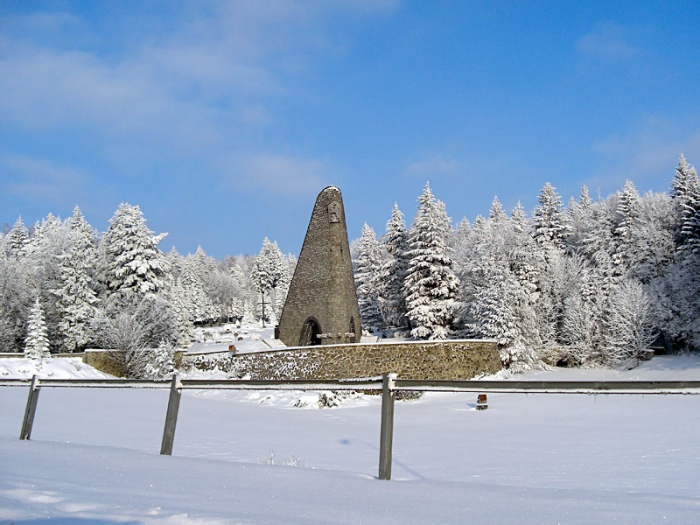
(65, 288)
(591, 283)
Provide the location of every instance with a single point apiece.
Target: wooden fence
(389, 385)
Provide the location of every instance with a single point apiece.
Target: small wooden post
(30, 411)
(387, 426)
(166, 447)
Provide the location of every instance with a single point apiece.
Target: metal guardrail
(206, 384)
(388, 384)
(552, 387)
(89, 383)
(375, 383)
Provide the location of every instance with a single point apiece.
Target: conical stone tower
(321, 306)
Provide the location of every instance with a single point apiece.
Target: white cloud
(647, 153)
(39, 26)
(281, 174)
(194, 81)
(609, 41)
(46, 90)
(28, 177)
(432, 167)
(256, 115)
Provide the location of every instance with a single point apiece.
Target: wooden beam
(30, 410)
(166, 447)
(386, 437)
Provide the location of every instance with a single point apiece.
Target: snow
(251, 457)
(249, 338)
(64, 368)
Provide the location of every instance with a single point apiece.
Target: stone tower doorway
(309, 333)
(352, 329)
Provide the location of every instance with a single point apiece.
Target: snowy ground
(246, 339)
(252, 458)
(64, 368)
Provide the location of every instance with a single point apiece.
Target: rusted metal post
(30, 411)
(387, 431)
(166, 447)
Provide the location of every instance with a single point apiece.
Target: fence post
(387, 431)
(30, 411)
(166, 447)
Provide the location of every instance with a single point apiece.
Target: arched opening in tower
(352, 330)
(310, 332)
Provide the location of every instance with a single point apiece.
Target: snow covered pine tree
(431, 285)
(36, 345)
(392, 274)
(367, 265)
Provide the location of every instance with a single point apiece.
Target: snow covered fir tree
(271, 278)
(430, 287)
(119, 291)
(366, 269)
(36, 345)
(590, 283)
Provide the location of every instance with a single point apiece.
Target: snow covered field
(243, 457)
(246, 339)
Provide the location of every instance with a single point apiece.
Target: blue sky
(224, 120)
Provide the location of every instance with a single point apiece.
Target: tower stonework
(321, 306)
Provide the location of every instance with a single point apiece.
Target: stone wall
(107, 361)
(438, 360)
(103, 360)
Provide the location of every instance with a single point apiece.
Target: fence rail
(552, 387)
(388, 384)
(375, 383)
(207, 384)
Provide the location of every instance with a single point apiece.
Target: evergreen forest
(587, 283)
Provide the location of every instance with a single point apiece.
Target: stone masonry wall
(322, 290)
(106, 360)
(438, 360)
